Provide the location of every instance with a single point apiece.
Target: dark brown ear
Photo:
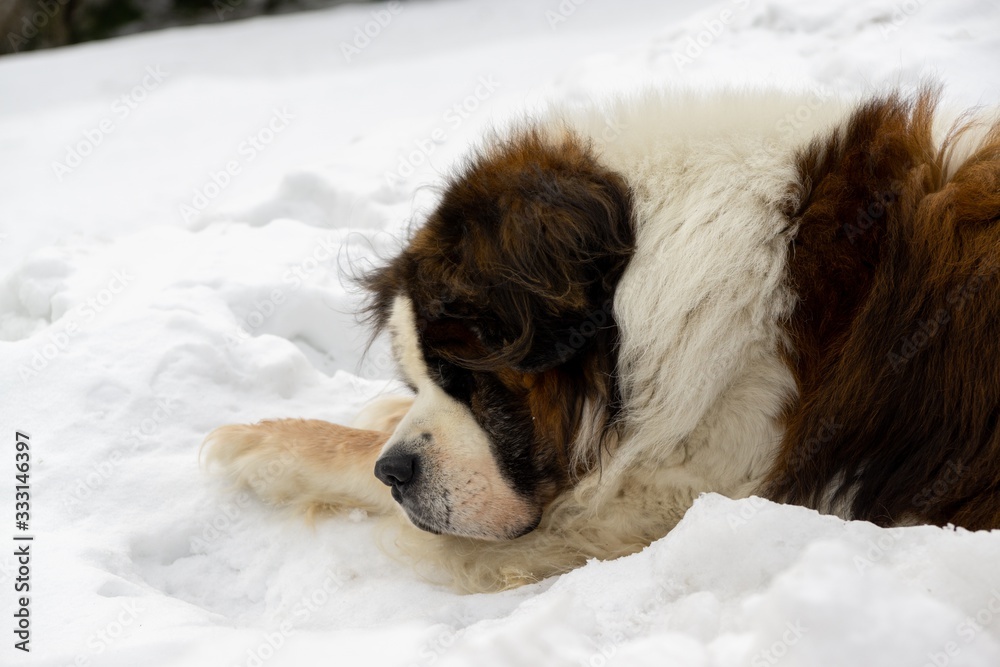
(544, 233)
(525, 249)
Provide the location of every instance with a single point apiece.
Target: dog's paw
(252, 456)
(304, 463)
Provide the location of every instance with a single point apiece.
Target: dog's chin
(422, 524)
(489, 534)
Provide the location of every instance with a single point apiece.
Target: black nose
(396, 469)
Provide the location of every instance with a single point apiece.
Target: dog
(616, 308)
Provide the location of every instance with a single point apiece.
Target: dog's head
(500, 315)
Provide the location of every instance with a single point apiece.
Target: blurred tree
(26, 25)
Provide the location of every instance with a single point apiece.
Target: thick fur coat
(615, 309)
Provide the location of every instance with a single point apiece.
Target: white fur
(700, 305)
(466, 494)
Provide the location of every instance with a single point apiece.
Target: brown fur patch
(896, 337)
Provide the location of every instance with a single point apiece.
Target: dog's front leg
(306, 464)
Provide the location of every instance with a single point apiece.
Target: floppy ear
(525, 250)
(565, 237)
(555, 343)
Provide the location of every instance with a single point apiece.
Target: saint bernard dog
(613, 309)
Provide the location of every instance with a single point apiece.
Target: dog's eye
(458, 382)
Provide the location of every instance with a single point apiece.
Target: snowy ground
(177, 213)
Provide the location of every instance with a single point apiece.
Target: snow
(193, 270)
